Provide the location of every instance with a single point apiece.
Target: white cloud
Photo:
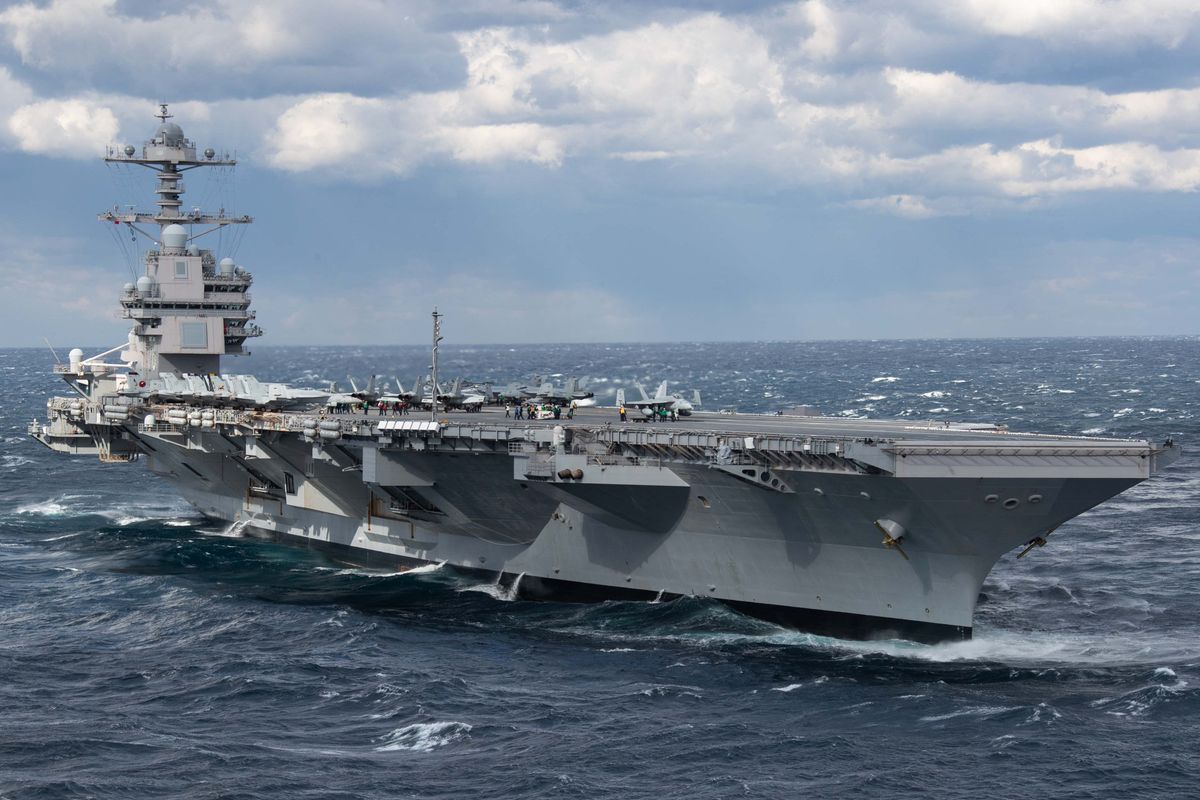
(324, 130)
(13, 93)
(907, 206)
(75, 128)
(1163, 22)
(757, 96)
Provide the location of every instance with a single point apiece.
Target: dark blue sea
(145, 653)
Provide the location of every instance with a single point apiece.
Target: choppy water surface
(144, 653)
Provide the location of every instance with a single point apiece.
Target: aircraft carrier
(855, 528)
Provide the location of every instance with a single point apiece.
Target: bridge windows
(193, 335)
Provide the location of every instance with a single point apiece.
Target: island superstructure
(855, 528)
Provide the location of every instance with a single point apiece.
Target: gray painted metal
(894, 524)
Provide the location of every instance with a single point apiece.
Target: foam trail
(496, 590)
(424, 569)
(1036, 649)
(234, 530)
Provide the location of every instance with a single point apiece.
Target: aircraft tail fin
(371, 384)
(641, 390)
(661, 394)
(620, 397)
(353, 385)
(696, 397)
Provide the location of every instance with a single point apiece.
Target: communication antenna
(56, 358)
(437, 337)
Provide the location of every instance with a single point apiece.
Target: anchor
(892, 532)
(1037, 541)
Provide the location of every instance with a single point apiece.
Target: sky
(596, 171)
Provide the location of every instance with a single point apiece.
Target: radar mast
(187, 310)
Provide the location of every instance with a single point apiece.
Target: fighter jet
(407, 395)
(454, 398)
(649, 406)
(543, 391)
(368, 394)
(239, 391)
(338, 399)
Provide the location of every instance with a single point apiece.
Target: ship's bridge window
(180, 270)
(193, 334)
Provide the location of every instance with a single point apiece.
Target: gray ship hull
(806, 552)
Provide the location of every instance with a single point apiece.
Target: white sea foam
(1036, 649)
(424, 569)
(791, 687)
(975, 711)
(421, 737)
(496, 591)
(935, 394)
(65, 536)
(384, 573)
(234, 530)
(885, 379)
(46, 508)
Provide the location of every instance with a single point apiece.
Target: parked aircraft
(662, 400)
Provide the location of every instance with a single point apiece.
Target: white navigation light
(174, 237)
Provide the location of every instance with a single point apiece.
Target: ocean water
(146, 653)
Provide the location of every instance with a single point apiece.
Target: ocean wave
(1037, 649)
(497, 590)
(974, 711)
(421, 737)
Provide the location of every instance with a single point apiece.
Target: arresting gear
(892, 532)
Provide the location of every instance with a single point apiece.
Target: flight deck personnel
(622, 412)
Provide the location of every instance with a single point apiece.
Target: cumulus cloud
(811, 93)
(74, 128)
(1163, 22)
